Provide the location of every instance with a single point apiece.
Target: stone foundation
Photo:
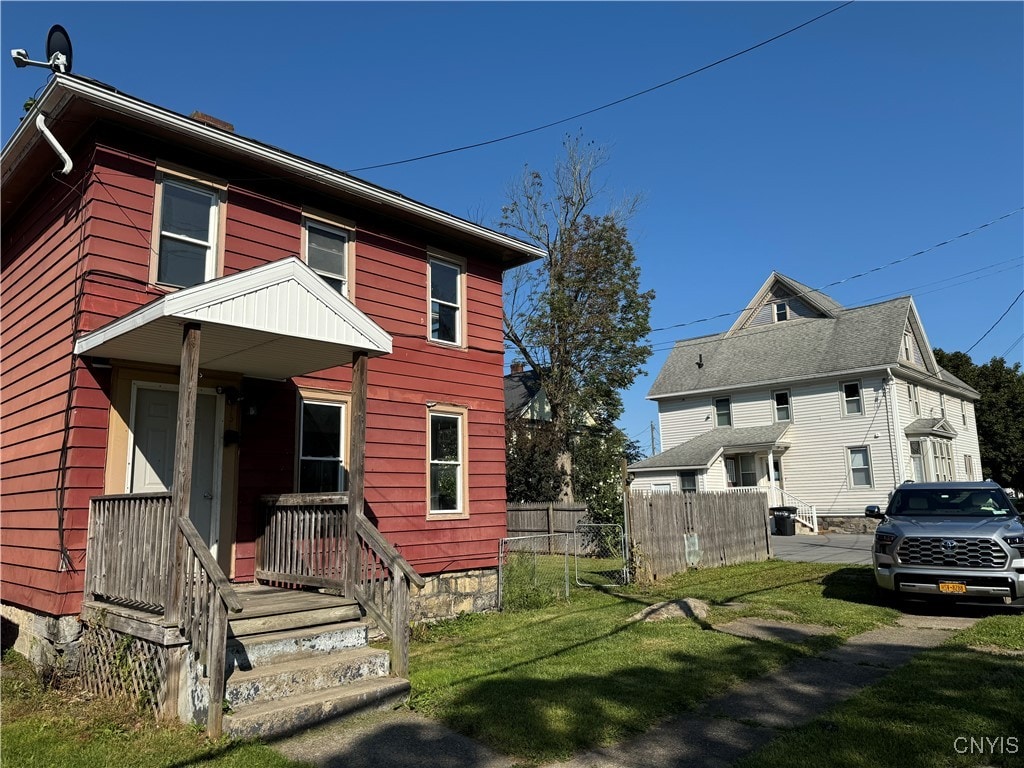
(846, 524)
(49, 642)
(448, 595)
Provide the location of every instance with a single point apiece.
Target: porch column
(181, 482)
(772, 480)
(356, 465)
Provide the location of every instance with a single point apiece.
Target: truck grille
(951, 552)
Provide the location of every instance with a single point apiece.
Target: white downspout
(54, 144)
(894, 400)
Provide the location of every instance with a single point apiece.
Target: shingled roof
(699, 452)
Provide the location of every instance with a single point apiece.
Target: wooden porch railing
(131, 559)
(313, 540)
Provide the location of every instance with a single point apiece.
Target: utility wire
(997, 322)
(851, 277)
(604, 106)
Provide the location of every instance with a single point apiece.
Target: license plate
(952, 588)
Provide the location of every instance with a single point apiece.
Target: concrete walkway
(717, 734)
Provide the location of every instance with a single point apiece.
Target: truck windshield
(921, 502)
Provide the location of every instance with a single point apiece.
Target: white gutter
(770, 382)
(897, 433)
(52, 141)
(219, 139)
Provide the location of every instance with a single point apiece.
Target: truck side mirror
(874, 512)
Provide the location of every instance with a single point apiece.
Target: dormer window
(781, 311)
(908, 347)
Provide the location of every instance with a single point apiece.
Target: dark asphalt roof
(699, 451)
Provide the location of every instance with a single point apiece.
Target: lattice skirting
(116, 665)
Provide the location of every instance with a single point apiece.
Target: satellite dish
(58, 49)
(58, 52)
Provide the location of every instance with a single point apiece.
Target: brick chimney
(213, 122)
(517, 367)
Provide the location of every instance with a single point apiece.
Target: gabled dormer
(781, 299)
(915, 351)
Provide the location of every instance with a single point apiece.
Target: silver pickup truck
(962, 540)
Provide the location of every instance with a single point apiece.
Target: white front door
(151, 458)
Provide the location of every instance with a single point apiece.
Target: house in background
(525, 398)
(228, 368)
(824, 407)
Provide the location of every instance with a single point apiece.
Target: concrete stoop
(287, 673)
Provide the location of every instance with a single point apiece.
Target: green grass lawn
(61, 728)
(926, 714)
(544, 683)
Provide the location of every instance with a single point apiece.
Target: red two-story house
(226, 365)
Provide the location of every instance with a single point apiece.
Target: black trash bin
(785, 520)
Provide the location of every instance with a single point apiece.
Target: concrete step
(279, 718)
(278, 622)
(305, 674)
(249, 651)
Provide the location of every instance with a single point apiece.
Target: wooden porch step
(282, 717)
(243, 624)
(305, 674)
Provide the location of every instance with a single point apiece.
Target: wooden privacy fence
(543, 519)
(671, 532)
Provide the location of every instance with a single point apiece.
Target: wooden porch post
(181, 483)
(356, 466)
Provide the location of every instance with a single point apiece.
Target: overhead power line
(609, 104)
(851, 277)
(997, 322)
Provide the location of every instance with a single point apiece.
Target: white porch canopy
(274, 321)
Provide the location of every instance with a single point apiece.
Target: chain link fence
(538, 570)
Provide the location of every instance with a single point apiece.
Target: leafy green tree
(999, 413)
(531, 462)
(578, 317)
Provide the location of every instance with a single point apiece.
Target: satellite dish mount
(58, 52)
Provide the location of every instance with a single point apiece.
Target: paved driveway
(825, 548)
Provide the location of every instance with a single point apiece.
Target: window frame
(908, 346)
(684, 487)
(943, 464)
(461, 512)
(969, 466)
(459, 264)
(845, 401)
(718, 413)
(216, 189)
(329, 399)
(942, 404)
(963, 412)
(851, 469)
(780, 313)
(334, 225)
(788, 406)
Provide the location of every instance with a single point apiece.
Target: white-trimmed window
(723, 412)
(445, 279)
(188, 214)
(860, 467)
(852, 403)
(908, 347)
(321, 447)
(781, 311)
(446, 454)
(915, 399)
(661, 487)
(326, 250)
(942, 405)
(917, 460)
(783, 410)
(969, 466)
(963, 411)
(688, 481)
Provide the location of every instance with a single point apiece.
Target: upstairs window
(321, 464)
(908, 347)
(781, 311)
(963, 411)
(969, 466)
(942, 405)
(915, 399)
(782, 408)
(852, 405)
(723, 412)
(326, 251)
(445, 278)
(188, 213)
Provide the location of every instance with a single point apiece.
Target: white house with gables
(826, 408)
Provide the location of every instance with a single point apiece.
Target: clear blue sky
(868, 136)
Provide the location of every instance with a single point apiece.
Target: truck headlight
(882, 542)
(1017, 542)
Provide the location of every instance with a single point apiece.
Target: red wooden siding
(90, 254)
